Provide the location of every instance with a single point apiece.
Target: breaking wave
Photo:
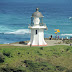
(20, 31)
(66, 34)
(70, 18)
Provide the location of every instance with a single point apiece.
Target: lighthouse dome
(37, 13)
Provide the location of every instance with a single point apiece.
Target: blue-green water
(15, 18)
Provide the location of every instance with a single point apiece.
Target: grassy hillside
(36, 59)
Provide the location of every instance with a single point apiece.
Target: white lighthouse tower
(37, 29)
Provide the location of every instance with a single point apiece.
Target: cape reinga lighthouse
(37, 29)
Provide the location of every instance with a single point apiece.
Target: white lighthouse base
(37, 37)
(43, 44)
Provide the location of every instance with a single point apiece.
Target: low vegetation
(36, 59)
(1, 58)
(67, 41)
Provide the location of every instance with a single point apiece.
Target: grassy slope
(37, 59)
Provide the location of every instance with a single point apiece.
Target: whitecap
(20, 31)
(70, 17)
(66, 34)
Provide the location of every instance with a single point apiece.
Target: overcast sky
(39, 1)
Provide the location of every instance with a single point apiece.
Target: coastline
(49, 42)
(52, 42)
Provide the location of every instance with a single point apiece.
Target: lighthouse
(37, 29)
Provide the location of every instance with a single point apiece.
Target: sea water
(16, 17)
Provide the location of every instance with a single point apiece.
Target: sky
(39, 1)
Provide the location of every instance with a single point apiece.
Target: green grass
(36, 59)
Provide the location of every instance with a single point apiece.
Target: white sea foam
(66, 34)
(20, 31)
(70, 17)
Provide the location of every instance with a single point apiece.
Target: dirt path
(55, 42)
(49, 42)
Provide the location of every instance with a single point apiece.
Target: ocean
(16, 17)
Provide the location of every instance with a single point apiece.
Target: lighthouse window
(36, 31)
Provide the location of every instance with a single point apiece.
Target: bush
(1, 58)
(8, 69)
(67, 41)
(60, 68)
(6, 53)
(39, 66)
(69, 70)
(41, 48)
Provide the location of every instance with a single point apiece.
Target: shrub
(67, 49)
(18, 53)
(6, 53)
(60, 68)
(1, 58)
(67, 41)
(8, 69)
(39, 66)
(69, 70)
(41, 48)
(39, 53)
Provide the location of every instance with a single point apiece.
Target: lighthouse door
(36, 37)
(36, 32)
